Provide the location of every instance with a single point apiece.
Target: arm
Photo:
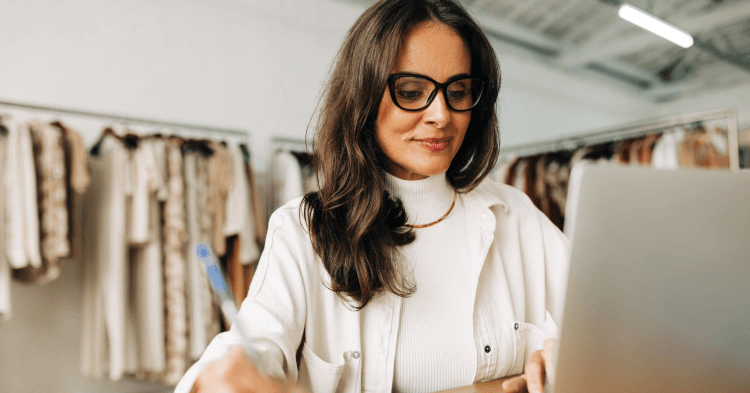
(274, 311)
(557, 259)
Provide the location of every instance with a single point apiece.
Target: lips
(434, 144)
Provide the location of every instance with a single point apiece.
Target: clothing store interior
(132, 132)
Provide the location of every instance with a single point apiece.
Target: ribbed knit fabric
(436, 348)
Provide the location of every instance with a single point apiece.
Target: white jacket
(519, 262)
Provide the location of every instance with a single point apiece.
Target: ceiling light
(655, 25)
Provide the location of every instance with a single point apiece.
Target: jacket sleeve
(557, 259)
(274, 311)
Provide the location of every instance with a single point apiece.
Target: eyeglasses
(412, 92)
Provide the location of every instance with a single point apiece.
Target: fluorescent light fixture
(655, 25)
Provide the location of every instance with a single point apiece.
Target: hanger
(245, 153)
(108, 131)
(202, 146)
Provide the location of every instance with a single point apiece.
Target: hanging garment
(200, 300)
(287, 178)
(633, 150)
(239, 213)
(540, 185)
(622, 152)
(644, 154)
(578, 156)
(602, 153)
(175, 237)
(258, 208)
(510, 179)
(21, 210)
(146, 259)
(529, 175)
(210, 304)
(220, 184)
(52, 201)
(744, 144)
(556, 176)
(143, 182)
(77, 181)
(501, 173)
(712, 150)
(76, 159)
(6, 311)
(235, 272)
(664, 155)
(698, 149)
(519, 175)
(309, 182)
(106, 271)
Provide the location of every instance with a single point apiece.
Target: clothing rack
(632, 131)
(288, 143)
(194, 129)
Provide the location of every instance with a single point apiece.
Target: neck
(425, 200)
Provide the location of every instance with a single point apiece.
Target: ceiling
(586, 37)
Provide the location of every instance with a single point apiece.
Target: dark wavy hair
(355, 225)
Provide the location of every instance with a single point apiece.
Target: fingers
(535, 373)
(515, 385)
(550, 359)
(549, 345)
(234, 373)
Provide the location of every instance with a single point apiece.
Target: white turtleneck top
(436, 348)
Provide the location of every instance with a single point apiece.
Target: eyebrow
(462, 75)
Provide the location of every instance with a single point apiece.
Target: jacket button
(355, 354)
(487, 349)
(515, 326)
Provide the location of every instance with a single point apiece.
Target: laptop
(658, 295)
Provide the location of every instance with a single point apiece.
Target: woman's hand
(539, 366)
(235, 374)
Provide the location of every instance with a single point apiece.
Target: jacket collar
(487, 195)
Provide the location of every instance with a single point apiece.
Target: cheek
(393, 125)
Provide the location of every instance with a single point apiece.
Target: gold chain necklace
(455, 195)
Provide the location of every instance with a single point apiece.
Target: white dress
(106, 274)
(5, 307)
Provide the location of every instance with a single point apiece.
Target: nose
(438, 114)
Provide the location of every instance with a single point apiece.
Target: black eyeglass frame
(438, 86)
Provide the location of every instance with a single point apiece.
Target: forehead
(434, 50)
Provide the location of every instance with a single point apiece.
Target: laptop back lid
(659, 287)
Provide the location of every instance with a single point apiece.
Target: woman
(405, 271)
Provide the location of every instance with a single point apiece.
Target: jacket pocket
(319, 376)
(528, 339)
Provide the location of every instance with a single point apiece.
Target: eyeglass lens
(414, 92)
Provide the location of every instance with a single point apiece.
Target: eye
(409, 94)
(457, 94)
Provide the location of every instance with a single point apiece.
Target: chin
(432, 170)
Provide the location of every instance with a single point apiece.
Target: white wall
(250, 64)
(737, 98)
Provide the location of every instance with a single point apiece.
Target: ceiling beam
(587, 54)
(524, 6)
(479, 4)
(549, 49)
(555, 16)
(523, 36)
(713, 79)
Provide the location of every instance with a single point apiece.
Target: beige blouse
(52, 199)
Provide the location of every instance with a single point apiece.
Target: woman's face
(421, 144)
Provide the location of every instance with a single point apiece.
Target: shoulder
(287, 255)
(495, 195)
(288, 220)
